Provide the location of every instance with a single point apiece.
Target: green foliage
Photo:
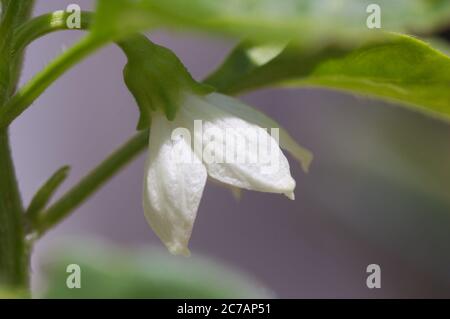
(111, 273)
(13, 294)
(339, 52)
(401, 69)
(397, 68)
(330, 46)
(305, 21)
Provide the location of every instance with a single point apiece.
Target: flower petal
(250, 114)
(266, 171)
(172, 189)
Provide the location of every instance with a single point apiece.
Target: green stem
(9, 16)
(27, 33)
(13, 259)
(91, 182)
(24, 35)
(31, 91)
(44, 194)
(13, 250)
(45, 24)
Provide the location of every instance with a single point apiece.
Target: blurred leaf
(13, 294)
(44, 194)
(439, 44)
(111, 273)
(331, 45)
(305, 21)
(241, 62)
(115, 19)
(398, 68)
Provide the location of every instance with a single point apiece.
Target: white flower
(173, 189)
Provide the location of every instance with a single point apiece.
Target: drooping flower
(173, 188)
(180, 158)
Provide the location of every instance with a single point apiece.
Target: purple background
(378, 191)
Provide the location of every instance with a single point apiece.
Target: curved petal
(245, 155)
(250, 114)
(172, 188)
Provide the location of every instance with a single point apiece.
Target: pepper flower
(195, 134)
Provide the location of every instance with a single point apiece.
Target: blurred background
(378, 190)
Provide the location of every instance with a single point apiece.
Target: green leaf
(439, 44)
(306, 21)
(108, 272)
(44, 194)
(398, 68)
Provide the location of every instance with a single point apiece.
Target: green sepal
(156, 78)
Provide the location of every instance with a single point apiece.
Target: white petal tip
(177, 249)
(290, 195)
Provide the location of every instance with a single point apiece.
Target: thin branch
(40, 82)
(91, 182)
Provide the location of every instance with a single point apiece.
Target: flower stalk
(90, 183)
